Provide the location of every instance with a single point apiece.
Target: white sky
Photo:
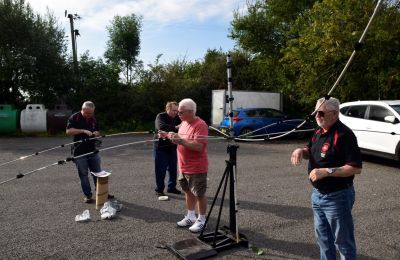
(174, 28)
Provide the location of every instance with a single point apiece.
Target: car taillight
(236, 119)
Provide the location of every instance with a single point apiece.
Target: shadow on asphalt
(283, 211)
(300, 249)
(379, 160)
(260, 240)
(287, 212)
(147, 214)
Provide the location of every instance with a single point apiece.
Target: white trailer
(242, 99)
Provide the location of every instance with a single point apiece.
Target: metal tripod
(227, 237)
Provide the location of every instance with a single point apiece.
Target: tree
(300, 47)
(182, 79)
(326, 36)
(263, 29)
(99, 82)
(32, 55)
(263, 32)
(124, 43)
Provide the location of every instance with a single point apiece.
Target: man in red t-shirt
(193, 163)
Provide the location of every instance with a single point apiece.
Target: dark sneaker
(110, 196)
(160, 194)
(88, 199)
(174, 191)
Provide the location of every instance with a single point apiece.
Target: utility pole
(74, 33)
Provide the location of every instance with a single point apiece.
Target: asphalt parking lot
(38, 211)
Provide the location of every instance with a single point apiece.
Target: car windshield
(397, 108)
(264, 112)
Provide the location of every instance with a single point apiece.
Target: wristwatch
(330, 171)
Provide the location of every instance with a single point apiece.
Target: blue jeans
(333, 223)
(165, 161)
(84, 165)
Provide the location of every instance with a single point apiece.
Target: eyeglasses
(322, 113)
(183, 111)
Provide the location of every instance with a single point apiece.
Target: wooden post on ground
(101, 191)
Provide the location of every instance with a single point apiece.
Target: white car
(376, 125)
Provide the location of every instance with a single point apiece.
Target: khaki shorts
(195, 183)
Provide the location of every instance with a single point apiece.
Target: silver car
(376, 125)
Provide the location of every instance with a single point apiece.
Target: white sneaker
(185, 222)
(197, 226)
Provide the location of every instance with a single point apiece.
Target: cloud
(171, 27)
(96, 14)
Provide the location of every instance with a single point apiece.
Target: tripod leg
(234, 175)
(233, 226)
(228, 164)
(225, 175)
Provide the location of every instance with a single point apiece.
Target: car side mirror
(390, 119)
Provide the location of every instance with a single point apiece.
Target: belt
(336, 188)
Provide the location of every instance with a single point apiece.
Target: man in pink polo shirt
(193, 163)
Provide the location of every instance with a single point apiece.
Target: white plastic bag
(84, 217)
(107, 211)
(116, 205)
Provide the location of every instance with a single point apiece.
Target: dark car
(264, 122)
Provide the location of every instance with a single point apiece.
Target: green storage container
(8, 119)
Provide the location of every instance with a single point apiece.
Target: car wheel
(245, 131)
(397, 152)
(300, 135)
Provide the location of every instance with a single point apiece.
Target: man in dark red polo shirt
(83, 125)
